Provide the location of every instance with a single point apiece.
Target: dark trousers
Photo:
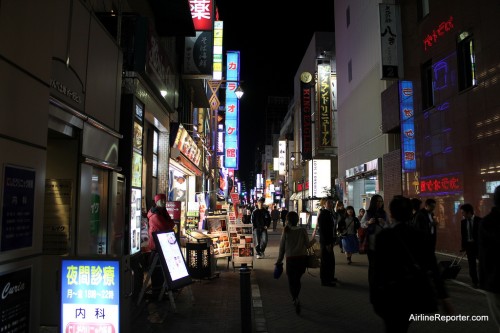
(295, 268)
(327, 267)
(471, 251)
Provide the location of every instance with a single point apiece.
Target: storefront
(361, 183)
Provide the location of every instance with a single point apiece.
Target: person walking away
(348, 231)
(489, 260)
(426, 222)
(374, 221)
(416, 205)
(158, 220)
(293, 246)
(261, 220)
(326, 227)
(469, 228)
(339, 215)
(399, 252)
(275, 216)
(284, 211)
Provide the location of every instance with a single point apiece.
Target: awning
(292, 197)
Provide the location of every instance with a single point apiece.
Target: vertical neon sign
(407, 114)
(231, 136)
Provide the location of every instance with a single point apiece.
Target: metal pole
(245, 299)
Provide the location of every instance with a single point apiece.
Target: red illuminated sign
(441, 184)
(201, 12)
(443, 27)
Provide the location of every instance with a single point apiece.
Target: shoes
(329, 284)
(258, 256)
(296, 303)
(349, 261)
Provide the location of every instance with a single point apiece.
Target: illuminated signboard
(218, 33)
(407, 116)
(438, 32)
(231, 136)
(90, 296)
(305, 114)
(320, 175)
(324, 105)
(201, 12)
(446, 184)
(282, 157)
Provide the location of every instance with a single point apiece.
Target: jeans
(260, 238)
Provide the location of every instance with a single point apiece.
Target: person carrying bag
(293, 246)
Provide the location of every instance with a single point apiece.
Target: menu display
(172, 260)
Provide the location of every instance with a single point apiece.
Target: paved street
(214, 304)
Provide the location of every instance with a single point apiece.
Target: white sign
(282, 157)
(320, 178)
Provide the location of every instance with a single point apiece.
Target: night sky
(272, 37)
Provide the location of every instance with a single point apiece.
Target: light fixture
(292, 158)
(239, 92)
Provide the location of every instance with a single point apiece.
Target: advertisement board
(172, 260)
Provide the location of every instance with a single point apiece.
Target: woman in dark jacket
(326, 227)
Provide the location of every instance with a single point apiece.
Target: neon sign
(441, 29)
(441, 184)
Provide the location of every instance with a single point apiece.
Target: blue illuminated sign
(90, 296)
(407, 116)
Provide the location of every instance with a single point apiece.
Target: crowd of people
(400, 244)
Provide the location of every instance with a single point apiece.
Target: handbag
(312, 259)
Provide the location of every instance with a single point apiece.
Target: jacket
(294, 243)
(260, 218)
(465, 233)
(158, 220)
(326, 227)
(489, 238)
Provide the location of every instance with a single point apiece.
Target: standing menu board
(241, 238)
(217, 229)
(172, 260)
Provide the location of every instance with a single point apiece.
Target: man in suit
(425, 222)
(469, 229)
(489, 260)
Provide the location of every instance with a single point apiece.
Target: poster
(241, 240)
(15, 301)
(17, 208)
(217, 230)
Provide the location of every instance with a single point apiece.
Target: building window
(427, 85)
(349, 70)
(423, 8)
(466, 62)
(348, 16)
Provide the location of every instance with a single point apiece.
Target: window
(348, 16)
(423, 8)
(466, 62)
(427, 85)
(349, 70)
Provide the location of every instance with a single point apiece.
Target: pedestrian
(275, 216)
(361, 233)
(361, 213)
(293, 246)
(261, 220)
(489, 260)
(416, 205)
(374, 221)
(348, 229)
(284, 211)
(425, 221)
(339, 215)
(469, 228)
(403, 264)
(326, 228)
(158, 220)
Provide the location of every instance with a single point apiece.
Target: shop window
(466, 62)
(427, 85)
